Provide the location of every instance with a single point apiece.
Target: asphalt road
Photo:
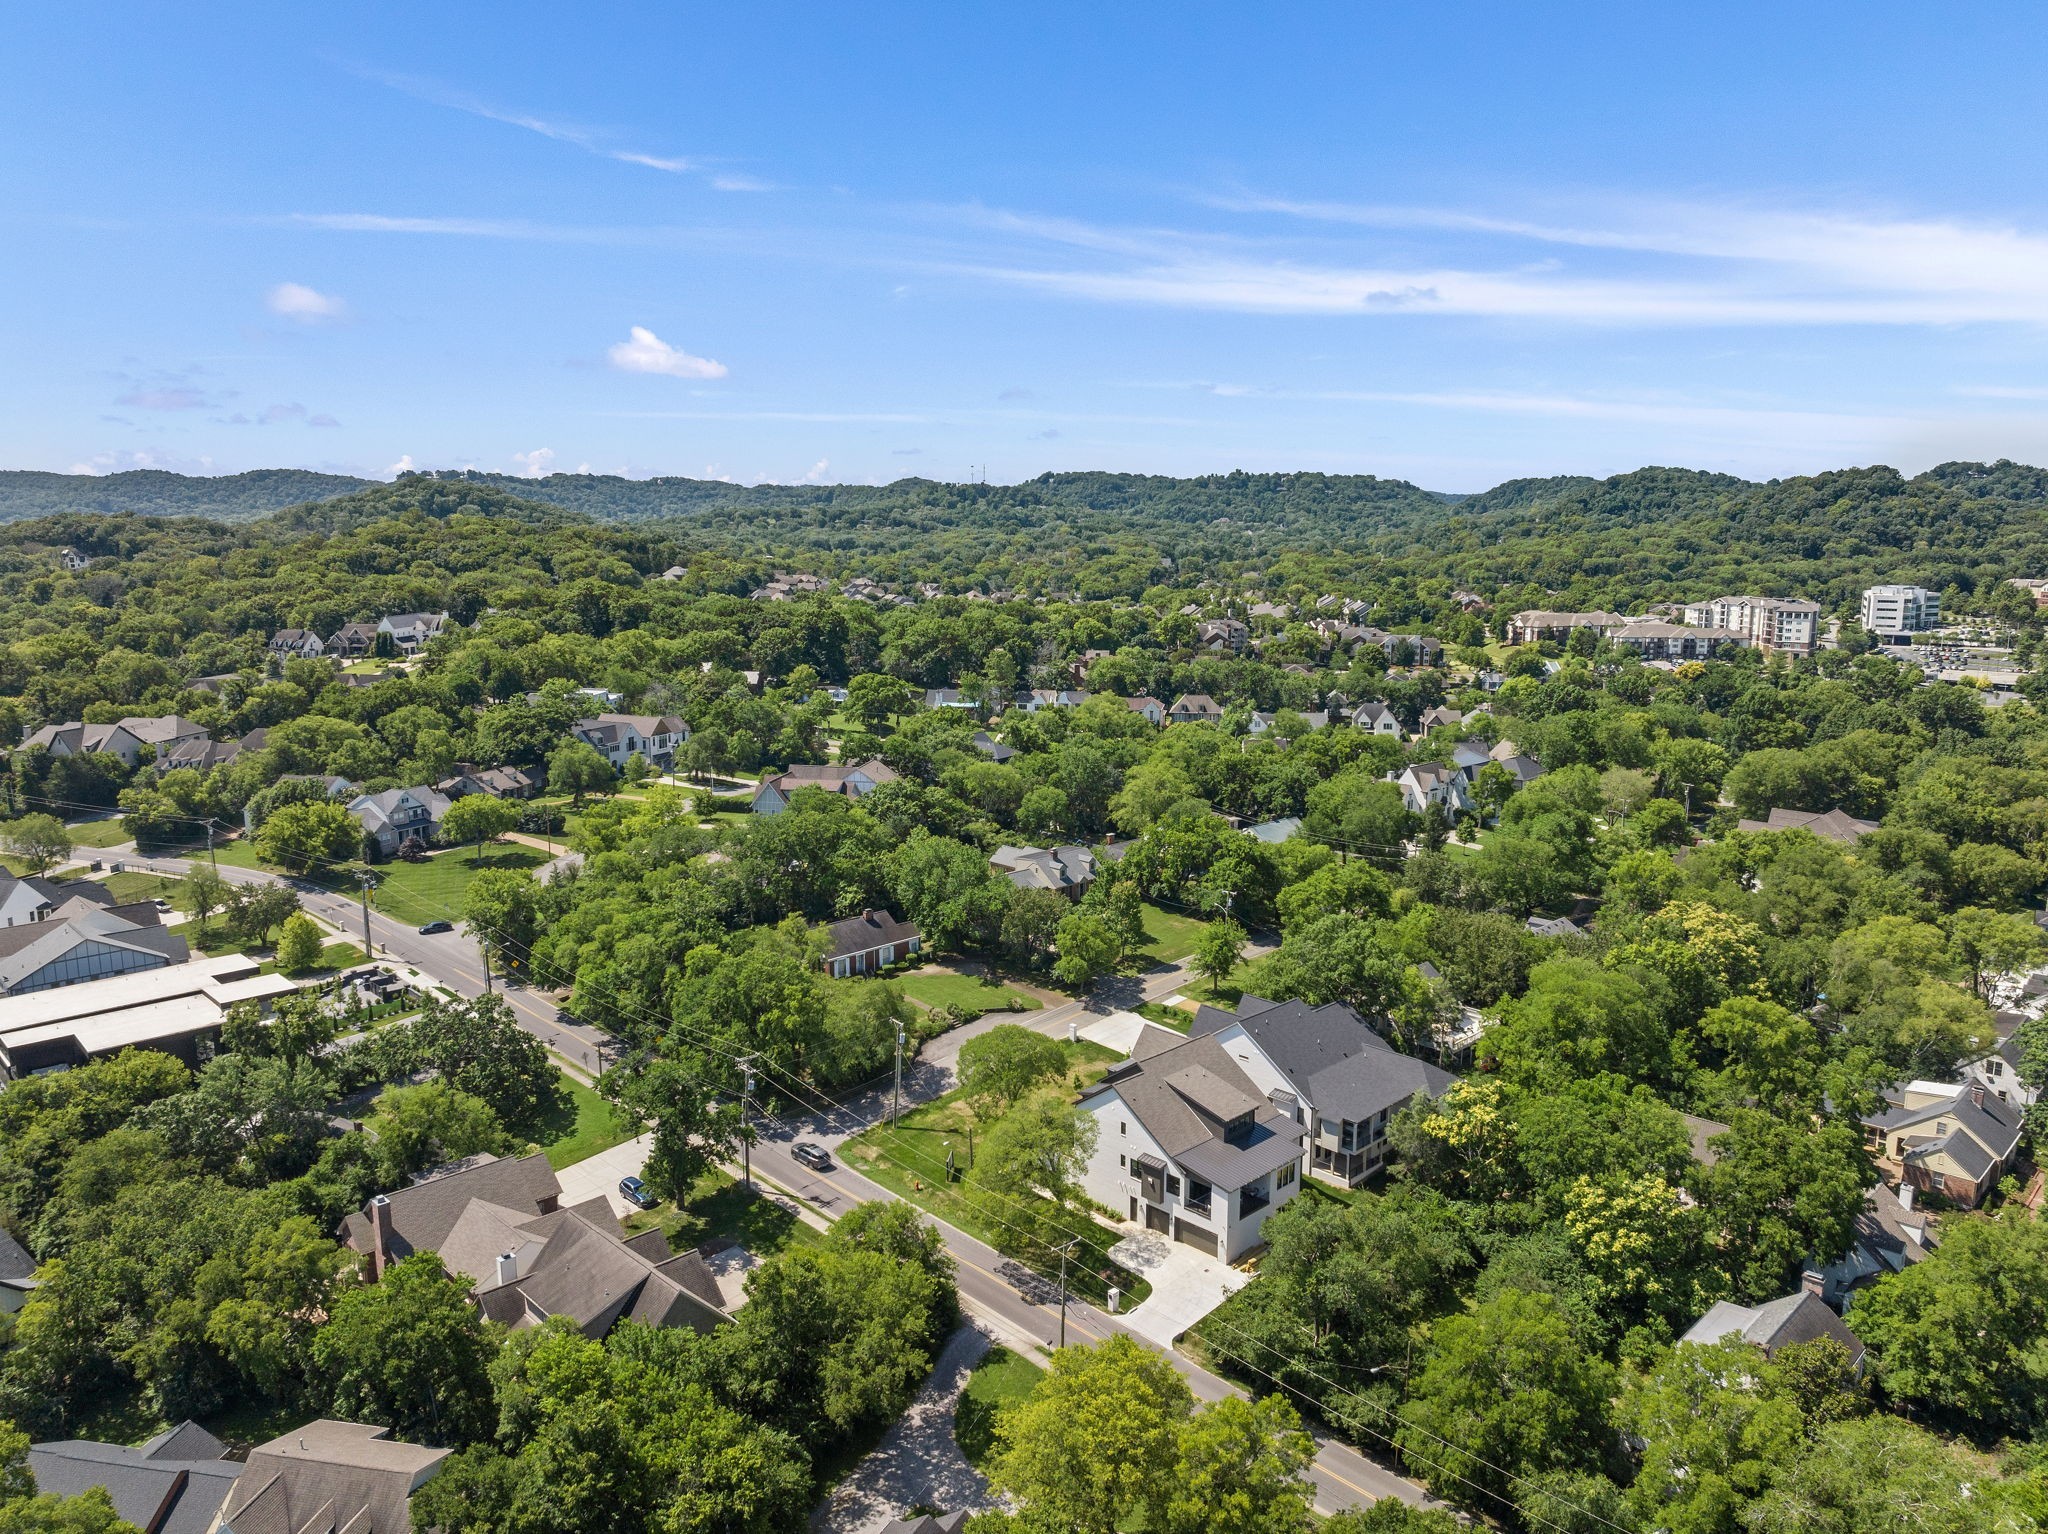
(1343, 1477)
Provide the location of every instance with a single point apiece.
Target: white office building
(1889, 610)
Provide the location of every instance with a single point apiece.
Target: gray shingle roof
(1330, 1055)
(869, 930)
(423, 1215)
(152, 1487)
(1783, 1322)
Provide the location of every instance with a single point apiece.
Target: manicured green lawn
(910, 1161)
(97, 833)
(127, 887)
(966, 992)
(1001, 1379)
(720, 1206)
(1165, 1016)
(1170, 935)
(582, 1127)
(432, 890)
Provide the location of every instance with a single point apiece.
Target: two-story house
(411, 631)
(1998, 1069)
(400, 815)
(855, 781)
(1375, 718)
(124, 738)
(1194, 708)
(303, 643)
(1955, 1139)
(1150, 709)
(620, 737)
(1187, 1144)
(1344, 1081)
(1425, 783)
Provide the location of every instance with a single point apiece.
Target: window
(1124, 1162)
(1940, 1180)
(1173, 1185)
(1198, 1194)
(1123, 1127)
(1286, 1177)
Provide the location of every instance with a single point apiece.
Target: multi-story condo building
(1791, 624)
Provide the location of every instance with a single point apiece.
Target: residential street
(1343, 1477)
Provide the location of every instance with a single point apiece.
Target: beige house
(1941, 1137)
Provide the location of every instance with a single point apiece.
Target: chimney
(1813, 1283)
(1906, 1197)
(381, 1233)
(508, 1267)
(1977, 1093)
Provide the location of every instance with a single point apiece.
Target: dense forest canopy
(1658, 534)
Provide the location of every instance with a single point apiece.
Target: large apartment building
(1791, 624)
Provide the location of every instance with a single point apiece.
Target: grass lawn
(966, 992)
(98, 833)
(1165, 1016)
(1170, 935)
(333, 956)
(1002, 1378)
(582, 1126)
(432, 890)
(910, 1161)
(719, 1206)
(127, 887)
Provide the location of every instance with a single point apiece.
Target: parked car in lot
(812, 1156)
(637, 1193)
(433, 927)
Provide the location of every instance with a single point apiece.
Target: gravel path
(918, 1463)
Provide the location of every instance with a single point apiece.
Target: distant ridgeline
(1655, 534)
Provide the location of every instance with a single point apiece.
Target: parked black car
(433, 927)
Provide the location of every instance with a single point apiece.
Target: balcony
(1251, 1200)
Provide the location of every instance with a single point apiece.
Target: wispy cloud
(534, 465)
(606, 143)
(168, 397)
(296, 301)
(1648, 264)
(646, 352)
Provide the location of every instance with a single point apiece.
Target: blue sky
(1452, 244)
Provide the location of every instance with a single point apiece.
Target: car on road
(637, 1193)
(434, 927)
(812, 1156)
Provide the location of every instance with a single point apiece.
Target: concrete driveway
(1186, 1284)
(597, 1174)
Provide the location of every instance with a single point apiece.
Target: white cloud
(817, 471)
(534, 465)
(646, 352)
(1669, 264)
(405, 465)
(296, 301)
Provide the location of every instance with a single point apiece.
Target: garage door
(1195, 1236)
(1155, 1218)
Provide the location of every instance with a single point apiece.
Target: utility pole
(483, 949)
(1064, 1249)
(210, 857)
(363, 893)
(1688, 799)
(746, 1136)
(896, 1092)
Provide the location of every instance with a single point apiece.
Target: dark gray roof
(926, 1523)
(1184, 1090)
(1329, 1054)
(340, 1476)
(1832, 825)
(154, 1490)
(423, 1215)
(1980, 1116)
(15, 1262)
(1783, 1322)
(869, 930)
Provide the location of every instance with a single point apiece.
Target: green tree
(302, 837)
(502, 911)
(423, 1126)
(577, 768)
(998, 1067)
(1880, 1473)
(203, 893)
(1027, 1175)
(1508, 1393)
(873, 701)
(1219, 950)
(1714, 1437)
(40, 841)
(411, 1353)
(693, 1131)
(476, 819)
(1088, 947)
(947, 888)
(1782, 1195)
(478, 1047)
(1987, 944)
(1960, 1331)
(298, 944)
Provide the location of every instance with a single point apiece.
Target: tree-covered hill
(158, 493)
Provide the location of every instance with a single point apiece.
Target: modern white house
(398, 816)
(411, 631)
(620, 737)
(1187, 1144)
(1346, 1081)
(1375, 718)
(1425, 783)
(125, 738)
(1891, 611)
